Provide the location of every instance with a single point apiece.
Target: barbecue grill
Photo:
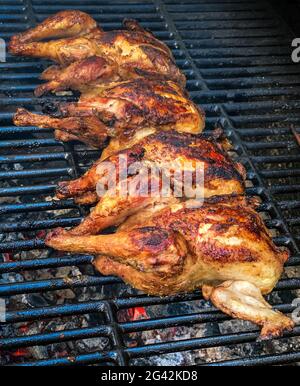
(236, 55)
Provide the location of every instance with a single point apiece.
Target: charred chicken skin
(121, 110)
(222, 247)
(86, 55)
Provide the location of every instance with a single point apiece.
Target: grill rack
(236, 56)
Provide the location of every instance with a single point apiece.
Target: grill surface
(236, 55)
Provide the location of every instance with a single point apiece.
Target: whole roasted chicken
(222, 247)
(125, 110)
(87, 55)
(171, 158)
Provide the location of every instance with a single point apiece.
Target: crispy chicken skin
(222, 246)
(120, 110)
(162, 149)
(124, 54)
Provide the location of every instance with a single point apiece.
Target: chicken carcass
(86, 55)
(222, 247)
(125, 110)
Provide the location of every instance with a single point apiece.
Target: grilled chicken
(121, 110)
(171, 152)
(86, 55)
(222, 246)
(172, 156)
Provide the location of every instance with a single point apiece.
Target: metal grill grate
(236, 55)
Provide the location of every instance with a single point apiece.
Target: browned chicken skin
(121, 109)
(116, 55)
(222, 246)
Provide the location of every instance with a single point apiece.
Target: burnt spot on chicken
(152, 239)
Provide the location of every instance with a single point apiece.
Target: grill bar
(277, 359)
(51, 262)
(41, 339)
(163, 348)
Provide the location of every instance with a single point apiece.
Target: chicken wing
(243, 300)
(80, 75)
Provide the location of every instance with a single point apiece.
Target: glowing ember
(21, 352)
(137, 313)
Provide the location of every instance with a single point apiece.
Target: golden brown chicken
(171, 152)
(162, 162)
(87, 55)
(222, 247)
(124, 110)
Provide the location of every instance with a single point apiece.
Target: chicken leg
(127, 198)
(145, 248)
(87, 129)
(99, 171)
(63, 24)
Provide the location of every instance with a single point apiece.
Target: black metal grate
(237, 58)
